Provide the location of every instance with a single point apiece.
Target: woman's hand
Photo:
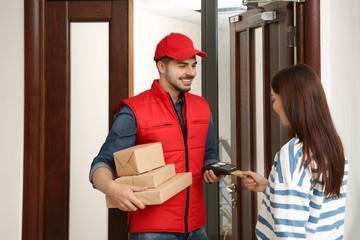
(254, 181)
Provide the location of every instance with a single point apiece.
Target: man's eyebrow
(185, 63)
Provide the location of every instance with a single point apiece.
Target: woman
(304, 196)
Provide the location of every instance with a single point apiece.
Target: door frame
(243, 132)
(308, 34)
(276, 54)
(47, 106)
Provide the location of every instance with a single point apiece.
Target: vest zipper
(184, 133)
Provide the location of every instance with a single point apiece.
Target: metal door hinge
(263, 16)
(235, 19)
(292, 35)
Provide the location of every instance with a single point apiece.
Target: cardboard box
(160, 194)
(139, 159)
(151, 178)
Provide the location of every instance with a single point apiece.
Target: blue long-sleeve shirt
(123, 135)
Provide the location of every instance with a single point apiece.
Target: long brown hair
(306, 108)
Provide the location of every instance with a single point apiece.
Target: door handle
(233, 203)
(231, 188)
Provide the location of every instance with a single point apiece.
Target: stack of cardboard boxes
(144, 165)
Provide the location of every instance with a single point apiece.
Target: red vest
(157, 121)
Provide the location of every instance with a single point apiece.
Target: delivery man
(182, 122)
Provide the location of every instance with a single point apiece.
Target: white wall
(12, 117)
(149, 29)
(340, 37)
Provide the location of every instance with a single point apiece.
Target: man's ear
(161, 66)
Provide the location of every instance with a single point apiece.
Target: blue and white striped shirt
(292, 208)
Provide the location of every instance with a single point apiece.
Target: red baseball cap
(177, 46)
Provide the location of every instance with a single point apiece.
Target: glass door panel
(226, 9)
(89, 103)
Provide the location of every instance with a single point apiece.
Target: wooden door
(282, 46)
(47, 107)
(276, 54)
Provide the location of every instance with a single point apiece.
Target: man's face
(180, 74)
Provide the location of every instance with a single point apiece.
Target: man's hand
(210, 177)
(122, 195)
(254, 181)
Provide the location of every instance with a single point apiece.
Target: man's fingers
(132, 204)
(206, 179)
(125, 199)
(137, 203)
(128, 207)
(210, 177)
(137, 188)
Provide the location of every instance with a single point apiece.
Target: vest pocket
(162, 125)
(200, 122)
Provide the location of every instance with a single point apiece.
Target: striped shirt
(292, 208)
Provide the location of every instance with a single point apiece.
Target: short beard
(178, 88)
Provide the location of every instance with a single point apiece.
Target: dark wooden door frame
(308, 34)
(47, 107)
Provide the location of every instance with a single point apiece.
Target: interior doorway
(264, 40)
(47, 136)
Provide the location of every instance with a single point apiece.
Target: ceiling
(190, 10)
